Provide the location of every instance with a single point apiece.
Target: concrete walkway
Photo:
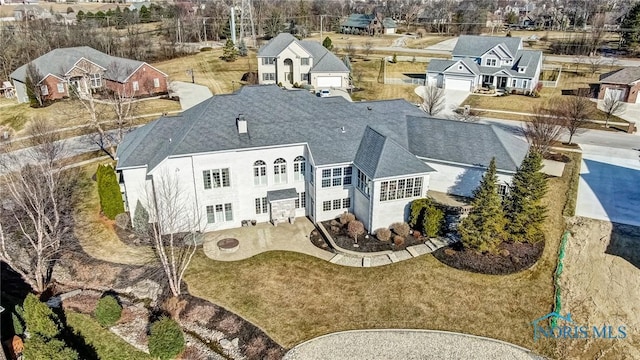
(190, 94)
(406, 345)
(265, 237)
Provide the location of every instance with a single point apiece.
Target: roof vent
(169, 139)
(241, 123)
(342, 130)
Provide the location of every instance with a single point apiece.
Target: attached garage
(458, 84)
(617, 94)
(329, 82)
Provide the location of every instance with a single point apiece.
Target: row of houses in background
(83, 70)
(28, 12)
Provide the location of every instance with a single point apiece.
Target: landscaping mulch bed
(517, 257)
(366, 243)
(318, 241)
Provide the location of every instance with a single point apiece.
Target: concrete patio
(265, 237)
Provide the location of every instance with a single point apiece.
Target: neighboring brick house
(363, 24)
(623, 84)
(86, 69)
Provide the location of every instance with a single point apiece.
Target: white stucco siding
(362, 208)
(242, 192)
(134, 188)
(385, 213)
(266, 69)
(458, 179)
(332, 193)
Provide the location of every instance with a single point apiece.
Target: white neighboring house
(287, 60)
(487, 61)
(266, 154)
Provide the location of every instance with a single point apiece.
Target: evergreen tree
(229, 53)
(109, 192)
(524, 210)
(140, 219)
(44, 328)
(631, 24)
(483, 229)
(327, 43)
(242, 48)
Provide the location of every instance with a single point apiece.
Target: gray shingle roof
(323, 59)
(473, 45)
(465, 143)
(284, 194)
(280, 117)
(527, 58)
(437, 65)
(275, 46)
(379, 157)
(388, 23)
(358, 20)
(623, 76)
(59, 61)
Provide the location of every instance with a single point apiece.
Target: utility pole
(204, 25)
(321, 17)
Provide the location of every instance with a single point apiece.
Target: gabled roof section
(276, 45)
(624, 76)
(529, 59)
(439, 65)
(380, 157)
(358, 20)
(473, 45)
(59, 61)
(465, 143)
(323, 59)
(501, 51)
(388, 23)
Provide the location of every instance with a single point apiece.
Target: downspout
(195, 195)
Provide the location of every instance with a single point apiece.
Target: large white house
(487, 61)
(286, 60)
(268, 154)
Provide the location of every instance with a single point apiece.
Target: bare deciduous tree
(350, 49)
(34, 222)
(368, 45)
(434, 100)
(465, 114)
(173, 233)
(574, 112)
(612, 106)
(595, 64)
(542, 130)
(35, 88)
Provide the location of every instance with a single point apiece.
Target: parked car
(324, 93)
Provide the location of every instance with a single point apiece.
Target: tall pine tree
(523, 208)
(483, 229)
(631, 24)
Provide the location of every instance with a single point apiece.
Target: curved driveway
(406, 345)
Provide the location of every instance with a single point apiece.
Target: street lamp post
(190, 72)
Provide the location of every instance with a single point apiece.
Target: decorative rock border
(352, 258)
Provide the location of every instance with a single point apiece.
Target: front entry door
(502, 82)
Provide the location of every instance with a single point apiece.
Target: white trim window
(261, 205)
(268, 61)
(135, 86)
(219, 213)
(60, 87)
(156, 83)
(299, 168)
(326, 205)
(216, 178)
(400, 189)
(44, 90)
(304, 61)
(525, 83)
(337, 176)
(280, 171)
(503, 190)
(363, 183)
(259, 173)
(95, 80)
(301, 201)
(269, 76)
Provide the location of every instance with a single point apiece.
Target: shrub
(108, 311)
(122, 221)
(395, 58)
(174, 306)
(355, 229)
(166, 340)
(109, 191)
(230, 325)
(206, 48)
(433, 221)
(346, 218)
(18, 326)
(383, 234)
(400, 228)
(140, 219)
(398, 240)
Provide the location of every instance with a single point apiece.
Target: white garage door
(457, 84)
(329, 81)
(617, 94)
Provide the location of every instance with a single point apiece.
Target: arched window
(299, 168)
(280, 171)
(259, 173)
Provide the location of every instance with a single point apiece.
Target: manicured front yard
(106, 344)
(294, 297)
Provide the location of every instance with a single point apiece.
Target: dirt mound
(601, 285)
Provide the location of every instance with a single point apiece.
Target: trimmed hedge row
(109, 191)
